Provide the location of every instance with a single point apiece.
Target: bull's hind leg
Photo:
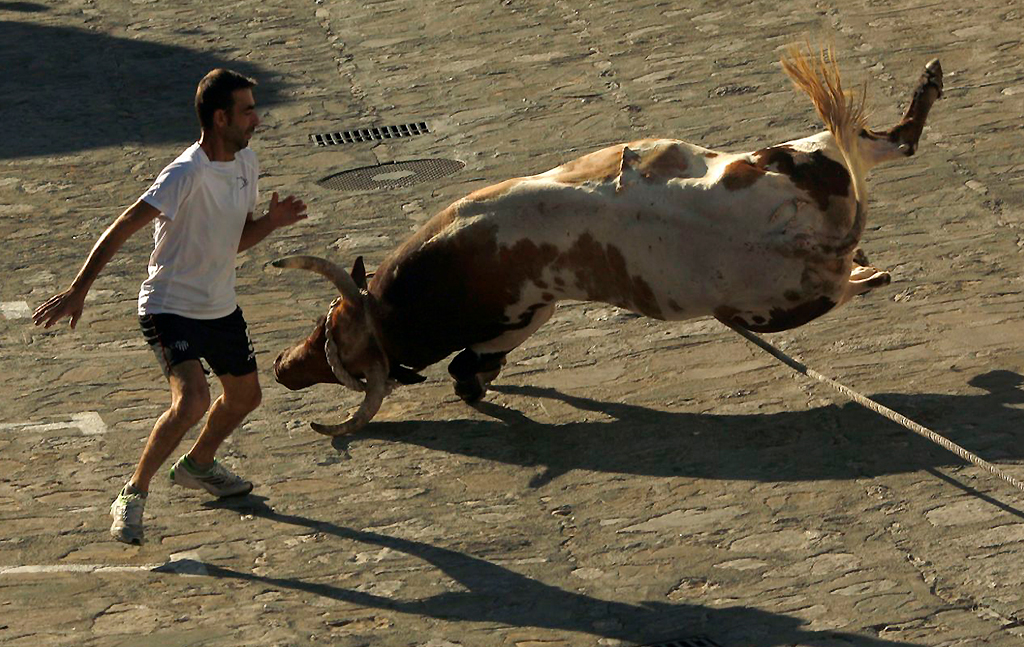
(864, 278)
(475, 367)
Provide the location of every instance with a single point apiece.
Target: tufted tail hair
(844, 113)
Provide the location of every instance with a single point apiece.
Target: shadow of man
(829, 442)
(23, 7)
(498, 595)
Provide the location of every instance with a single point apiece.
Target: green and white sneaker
(217, 480)
(127, 512)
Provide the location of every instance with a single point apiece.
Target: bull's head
(343, 348)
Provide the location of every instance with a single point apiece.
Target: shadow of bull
(839, 441)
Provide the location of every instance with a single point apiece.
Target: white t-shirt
(203, 207)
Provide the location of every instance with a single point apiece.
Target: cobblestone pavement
(628, 481)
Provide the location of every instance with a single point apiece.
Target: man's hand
(68, 303)
(286, 212)
(280, 214)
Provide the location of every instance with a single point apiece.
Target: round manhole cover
(391, 175)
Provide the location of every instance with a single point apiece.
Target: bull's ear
(359, 273)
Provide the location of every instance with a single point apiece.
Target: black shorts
(224, 343)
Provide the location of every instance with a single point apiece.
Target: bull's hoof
(870, 277)
(933, 76)
(471, 391)
(880, 280)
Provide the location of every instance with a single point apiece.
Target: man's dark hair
(215, 92)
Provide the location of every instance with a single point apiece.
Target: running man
(203, 205)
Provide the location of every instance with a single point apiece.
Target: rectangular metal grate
(379, 133)
(686, 642)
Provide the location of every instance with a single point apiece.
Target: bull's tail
(843, 113)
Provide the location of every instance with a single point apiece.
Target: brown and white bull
(766, 240)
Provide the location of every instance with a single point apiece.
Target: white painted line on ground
(88, 422)
(181, 563)
(15, 310)
(185, 566)
(75, 568)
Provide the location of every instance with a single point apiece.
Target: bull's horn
(336, 275)
(376, 389)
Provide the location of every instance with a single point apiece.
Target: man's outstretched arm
(71, 302)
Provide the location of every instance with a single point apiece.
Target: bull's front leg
(472, 373)
(474, 368)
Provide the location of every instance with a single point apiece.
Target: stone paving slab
(628, 481)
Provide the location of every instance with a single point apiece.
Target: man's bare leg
(190, 398)
(241, 396)
(197, 469)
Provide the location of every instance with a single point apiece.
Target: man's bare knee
(246, 401)
(242, 394)
(192, 403)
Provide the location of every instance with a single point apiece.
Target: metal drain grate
(687, 642)
(391, 175)
(369, 134)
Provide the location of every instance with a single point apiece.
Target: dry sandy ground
(629, 481)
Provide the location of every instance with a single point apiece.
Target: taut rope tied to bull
(868, 403)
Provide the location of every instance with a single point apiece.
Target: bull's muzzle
(297, 368)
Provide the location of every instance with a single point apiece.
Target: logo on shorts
(242, 182)
(180, 345)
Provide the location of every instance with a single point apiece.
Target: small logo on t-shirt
(242, 182)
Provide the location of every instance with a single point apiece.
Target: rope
(876, 407)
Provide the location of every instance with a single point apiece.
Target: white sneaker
(218, 480)
(127, 512)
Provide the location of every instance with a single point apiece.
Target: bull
(765, 240)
